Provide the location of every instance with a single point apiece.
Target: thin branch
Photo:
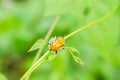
(34, 66)
(93, 23)
(46, 39)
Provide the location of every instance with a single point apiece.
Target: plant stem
(93, 23)
(34, 66)
(46, 39)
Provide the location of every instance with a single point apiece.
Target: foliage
(25, 21)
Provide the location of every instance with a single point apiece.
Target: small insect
(56, 43)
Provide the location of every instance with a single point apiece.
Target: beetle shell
(56, 43)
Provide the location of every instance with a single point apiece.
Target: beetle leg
(56, 52)
(50, 49)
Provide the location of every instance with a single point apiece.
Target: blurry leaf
(74, 50)
(76, 59)
(52, 56)
(44, 61)
(39, 43)
(76, 8)
(70, 7)
(3, 77)
(103, 37)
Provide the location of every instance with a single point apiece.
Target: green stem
(34, 66)
(46, 39)
(93, 23)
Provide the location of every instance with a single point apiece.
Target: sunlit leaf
(3, 77)
(44, 61)
(52, 56)
(76, 59)
(39, 43)
(74, 50)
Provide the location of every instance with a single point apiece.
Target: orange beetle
(56, 43)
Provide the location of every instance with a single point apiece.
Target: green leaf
(74, 50)
(51, 56)
(3, 77)
(76, 59)
(44, 61)
(39, 43)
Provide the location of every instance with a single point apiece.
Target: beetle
(56, 43)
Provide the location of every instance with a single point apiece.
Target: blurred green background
(22, 22)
